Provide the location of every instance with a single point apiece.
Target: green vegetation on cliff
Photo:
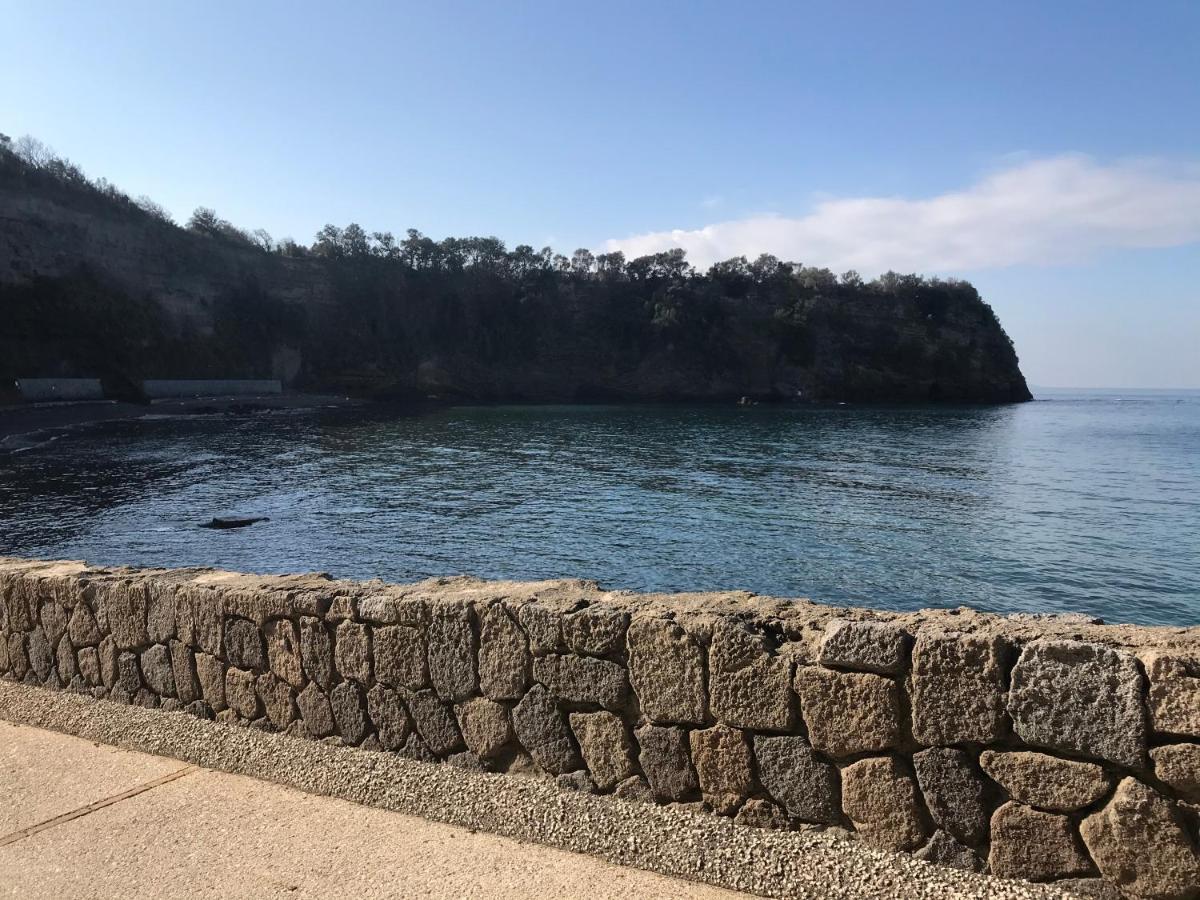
(93, 282)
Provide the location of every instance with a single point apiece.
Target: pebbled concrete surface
(668, 841)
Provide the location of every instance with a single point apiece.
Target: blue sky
(1049, 152)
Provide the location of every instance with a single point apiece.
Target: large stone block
(582, 679)
(283, 651)
(125, 607)
(957, 688)
(543, 626)
(503, 655)
(435, 722)
(1174, 694)
(278, 700)
(316, 651)
(83, 628)
(64, 657)
(1080, 697)
(1139, 845)
(107, 651)
(160, 612)
(89, 665)
(210, 672)
(183, 671)
(664, 758)
(666, 668)
(878, 647)
(400, 657)
(199, 620)
(595, 630)
(542, 731)
(1034, 845)
(386, 710)
(4, 652)
(18, 656)
(156, 670)
(348, 701)
(485, 726)
(1178, 767)
(244, 645)
(806, 785)
(41, 655)
(604, 741)
(54, 621)
(240, 693)
(1044, 781)
(879, 795)
(748, 685)
(954, 793)
(848, 713)
(316, 711)
(352, 652)
(724, 768)
(452, 652)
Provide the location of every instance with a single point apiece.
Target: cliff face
(171, 303)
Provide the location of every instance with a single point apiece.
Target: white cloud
(1061, 209)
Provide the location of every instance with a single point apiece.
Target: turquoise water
(1082, 501)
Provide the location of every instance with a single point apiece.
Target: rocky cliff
(92, 285)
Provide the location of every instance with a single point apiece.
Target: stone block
(666, 668)
(352, 652)
(64, 657)
(283, 651)
(316, 711)
(664, 758)
(878, 647)
(348, 701)
(316, 651)
(41, 655)
(54, 621)
(748, 685)
(18, 656)
(582, 679)
(1044, 781)
(724, 768)
(595, 630)
(879, 795)
(944, 850)
(540, 728)
(156, 670)
(183, 671)
(954, 793)
(244, 645)
(634, 789)
(759, 813)
(83, 628)
(160, 612)
(89, 665)
(503, 655)
(198, 619)
(1174, 693)
(400, 657)
(957, 688)
(848, 713)
(485, 726)
(805, 785)
(452, 652)
(278, 700)
(210, 672)
(240, 693)
(386, 710)
(435, 722)
(4, 652)
(107, 651)
(1082, 698)
(1034, 845)
(1139, 844)
(1178, 767)
(125, 607)
(543, 626)
(604, 742)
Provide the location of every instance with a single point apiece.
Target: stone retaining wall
(1049, 749)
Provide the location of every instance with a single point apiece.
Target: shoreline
(25, 426)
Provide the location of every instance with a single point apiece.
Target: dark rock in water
(233, 523)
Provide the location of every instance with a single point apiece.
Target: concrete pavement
(82, 819)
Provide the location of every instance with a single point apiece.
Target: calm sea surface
(1082, 501)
